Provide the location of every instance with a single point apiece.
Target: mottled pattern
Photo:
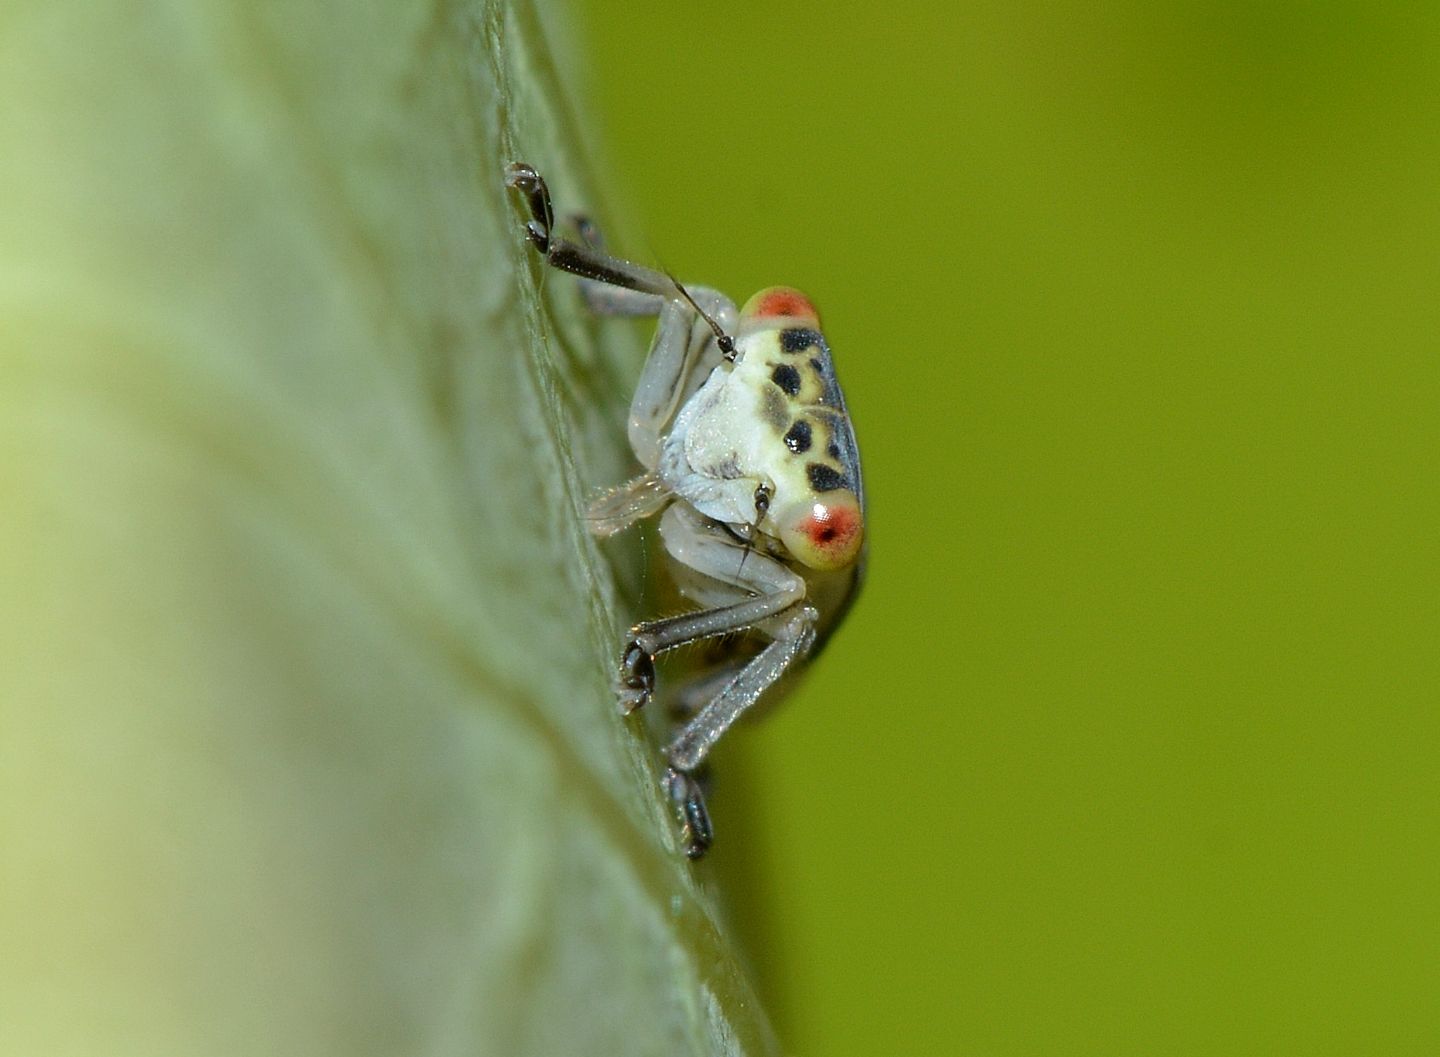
(815, 428)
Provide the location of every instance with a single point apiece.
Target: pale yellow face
(818, 513)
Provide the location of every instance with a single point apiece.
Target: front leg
(695, 740)
(686, 753)
(771, 603)
(700, 544)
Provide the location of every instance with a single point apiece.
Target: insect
(750, 460)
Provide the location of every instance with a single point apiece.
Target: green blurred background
(1129, 748)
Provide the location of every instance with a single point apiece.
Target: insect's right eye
(823, 534)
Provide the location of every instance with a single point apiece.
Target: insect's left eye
(781, 302)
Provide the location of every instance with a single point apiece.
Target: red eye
(827, 535)
(781, 302)
(829, 527)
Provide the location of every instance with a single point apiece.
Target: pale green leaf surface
(306, 743)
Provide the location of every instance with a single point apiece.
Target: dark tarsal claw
(637, 678)
(537, 236)
(523, 177)
(696, 833)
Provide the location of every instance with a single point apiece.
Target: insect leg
(699, 544)
(696, 833)
(681, 357)
(620, 507)
(602, 298)
(607, 299)
(689, 748)
(581, 259)
(684, 342)
(695, 740)
(687, 790)
(690, 697)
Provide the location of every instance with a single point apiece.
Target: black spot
(798, 339)
(798, 437)
(833, 450)
(817, 366)
(787, 378)
(823, 478)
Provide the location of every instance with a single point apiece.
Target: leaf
(306, 738)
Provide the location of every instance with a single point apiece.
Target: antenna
(725, 341)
